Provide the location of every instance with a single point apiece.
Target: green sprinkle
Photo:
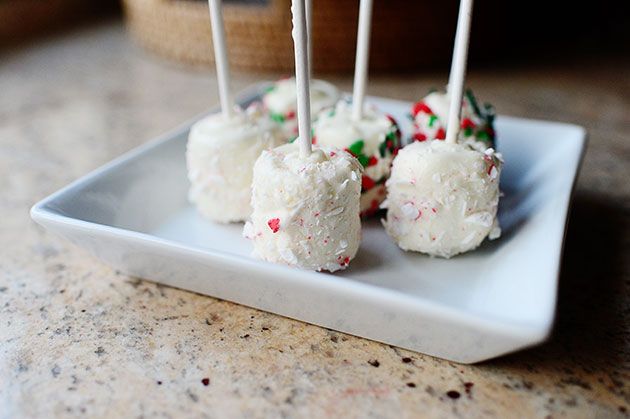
(270, 89)
(278, 117)
(357, 147)
(332, 112)
(483, 136)
(468, 132)
(473, 102)
(382, 148)
(363, 159)
(391, 136)
(292, 139)
(432, 120)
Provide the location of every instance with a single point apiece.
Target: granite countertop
(80, 339)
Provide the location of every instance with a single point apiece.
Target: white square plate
(133, 214)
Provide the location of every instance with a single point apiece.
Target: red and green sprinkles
(281, 118)
(483, 131)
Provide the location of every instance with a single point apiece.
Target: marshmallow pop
(305, 200)
(443, 195)
(369, 134)
(223, 147)
(280, 99)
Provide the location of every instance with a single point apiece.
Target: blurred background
(408, 36)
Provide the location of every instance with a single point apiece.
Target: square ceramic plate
(133, 214)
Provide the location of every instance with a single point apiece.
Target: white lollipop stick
(309, 30)
(220, 57)
(361, 62)
(458, 70)
(300, 42)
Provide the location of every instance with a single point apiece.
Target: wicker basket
(259, 34)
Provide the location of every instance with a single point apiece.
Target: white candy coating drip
(442, 198)
(338, 128)
(306, 210)
(220, 156)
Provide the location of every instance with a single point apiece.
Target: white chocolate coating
(306, 210)
(428, 127)
(220, 156)
(442, 198)
(281, 102)
(336, 128)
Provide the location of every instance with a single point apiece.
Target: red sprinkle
(289, 115)
(367, 183)
(418, 136)
(372, 161)
(314, 139)
(434, 210)
(333, 154)
(343, 261)
(274, 224)
(205, 381)
(490, 162)
(440, 134)
(467, 123)
(420, 107)
(348, 151)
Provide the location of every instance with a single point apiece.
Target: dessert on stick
(369, 134)
(443, 194)
(374, 141)
(305, 199)
(223, 147)
(430, 115)
(280, 99)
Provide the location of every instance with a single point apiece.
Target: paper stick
(362, 58)
(220, 57)
(309, 30)
(300, 42)
(458, 70)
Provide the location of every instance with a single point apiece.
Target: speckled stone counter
(78, 339)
